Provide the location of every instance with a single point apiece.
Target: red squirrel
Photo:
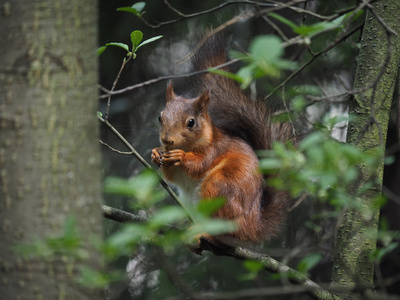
(208, 151)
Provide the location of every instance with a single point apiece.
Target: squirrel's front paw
(173, 157)
(157, 156)
(196, 245)
(206, 242)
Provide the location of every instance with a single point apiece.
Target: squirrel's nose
(167, 142)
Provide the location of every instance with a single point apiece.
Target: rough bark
(375, 77)
(49, 156)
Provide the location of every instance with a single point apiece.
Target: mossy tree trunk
(375, 78)
(49, 156)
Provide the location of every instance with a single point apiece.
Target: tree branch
(119, 215)
(273, 266)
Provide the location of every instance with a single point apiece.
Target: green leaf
(142, 187)
(68, 245)
(298, 103)
(136, 38)
(380, 253)
(139, 6)
(226, 74)
(123, 241)
(358, 14)
(149, 41)
(389, 160)
(284, 21)
(120, 186)
(209, 226)
(310, 30)
(340, 20)
(316, 228)
(284, 64)
(167, 216)
(100, 50)
(312, 141)
(121, 45)
(266, 48)
(264, 60)
(135, 9)
(309, 262)
(270, 164)
(245, 76)
(238, 55)
(207, 207)
(94, 279)
(253, 265)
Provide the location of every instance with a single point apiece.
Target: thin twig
(115, 150)
(298, 202)
(163, 78)
(124, 62)
(276, 28)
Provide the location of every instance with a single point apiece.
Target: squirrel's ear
(203, 101)
(170, 91)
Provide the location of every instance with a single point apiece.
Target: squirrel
(209, 146)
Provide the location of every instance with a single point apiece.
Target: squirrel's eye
(190, 123)
(159, 118)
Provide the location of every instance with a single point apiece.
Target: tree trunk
(375, 77)
(49, 156)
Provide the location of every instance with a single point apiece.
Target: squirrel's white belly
(188, 187)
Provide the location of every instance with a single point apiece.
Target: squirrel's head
(185, 123)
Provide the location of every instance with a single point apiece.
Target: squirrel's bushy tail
(233, 112)
(231, 109)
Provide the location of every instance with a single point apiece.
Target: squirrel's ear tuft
(170, 91)
(203, 101)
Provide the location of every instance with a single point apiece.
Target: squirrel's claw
(156, 156)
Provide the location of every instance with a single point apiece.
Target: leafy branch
(136, 40)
